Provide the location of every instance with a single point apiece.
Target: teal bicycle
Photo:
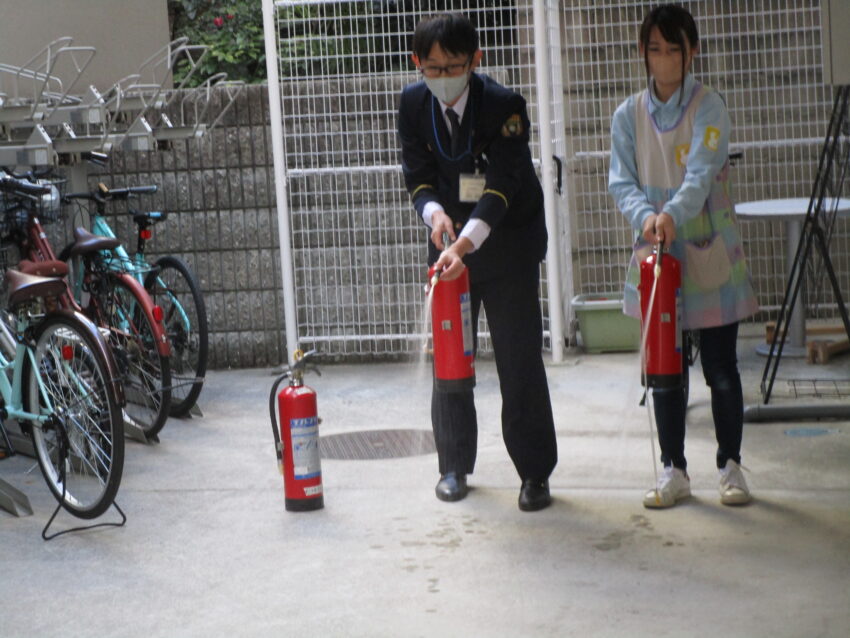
(59, 382)
(170, 283)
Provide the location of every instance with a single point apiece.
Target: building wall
(124, 32)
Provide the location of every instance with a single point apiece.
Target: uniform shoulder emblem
(513, 126)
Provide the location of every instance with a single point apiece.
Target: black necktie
(455, 132)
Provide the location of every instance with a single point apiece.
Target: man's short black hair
(452, 31)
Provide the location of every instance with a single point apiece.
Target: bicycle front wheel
(145, 373)
(81, 449)
(174, 288)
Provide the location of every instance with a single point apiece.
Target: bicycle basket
(14, 215)
(16, 209)
(49, 207)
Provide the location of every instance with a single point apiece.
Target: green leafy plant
(233, 31)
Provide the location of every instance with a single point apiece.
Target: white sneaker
(673, 486)
(733, 487)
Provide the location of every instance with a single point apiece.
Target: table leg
(795, 346)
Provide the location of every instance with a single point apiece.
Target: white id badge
(471, 187)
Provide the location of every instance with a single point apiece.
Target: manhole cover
(376, 444)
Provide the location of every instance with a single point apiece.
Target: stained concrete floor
(209, 550)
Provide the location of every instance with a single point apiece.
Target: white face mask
(447, 90)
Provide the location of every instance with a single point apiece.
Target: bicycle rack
(191, 116)
(13, 500)
(43, 123)
(140, 95)
(37, 150)
(48, 93)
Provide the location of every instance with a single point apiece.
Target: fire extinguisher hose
(272, 401)
(657, 276)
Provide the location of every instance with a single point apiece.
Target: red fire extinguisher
(451, 329)
(297, 442)
(661, 285)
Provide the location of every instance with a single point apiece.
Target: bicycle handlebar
(30, 175)
(124, 193)
(9, 184)
(110, 194)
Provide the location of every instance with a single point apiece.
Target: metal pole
(563, 149)
(553, 257)
(283, 229)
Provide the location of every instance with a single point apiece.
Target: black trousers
(516, 327)
(720, 369)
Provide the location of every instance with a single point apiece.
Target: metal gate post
(283, 228)
(563, 151)
(553, 256)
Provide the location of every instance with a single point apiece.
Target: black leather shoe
(534, 495)
(452, 487)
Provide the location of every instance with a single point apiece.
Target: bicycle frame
(12, 393)
(134, 267)
(39, 249)
(34, 243)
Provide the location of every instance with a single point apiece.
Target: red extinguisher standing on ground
(660, 304)
(451, 329)
(297, 442)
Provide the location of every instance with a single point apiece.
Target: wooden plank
(819, 329)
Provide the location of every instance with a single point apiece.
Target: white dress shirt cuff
(428, 212)
(476, 231)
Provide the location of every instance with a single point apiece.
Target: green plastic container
(602, 324)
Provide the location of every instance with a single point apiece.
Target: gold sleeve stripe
(419, 188)
(494, 192)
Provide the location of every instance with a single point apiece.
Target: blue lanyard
(436, 107)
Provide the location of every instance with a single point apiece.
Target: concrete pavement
(209, 550)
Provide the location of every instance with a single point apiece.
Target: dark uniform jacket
(495, 133)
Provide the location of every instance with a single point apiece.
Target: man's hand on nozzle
(450, 264)
(441, 223)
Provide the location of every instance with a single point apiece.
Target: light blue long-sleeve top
(703, 164)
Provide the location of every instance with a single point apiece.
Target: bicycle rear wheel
(68, 373)
(145, 373)
(174, 288)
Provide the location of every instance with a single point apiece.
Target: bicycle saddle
(86, 242)
(23, 287)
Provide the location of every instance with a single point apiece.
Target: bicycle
(58, 383)
(171, 285)
(115, 302)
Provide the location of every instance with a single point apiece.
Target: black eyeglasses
(451, 70)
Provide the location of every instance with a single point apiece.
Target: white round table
(791, 212)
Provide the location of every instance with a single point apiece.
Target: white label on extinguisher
(466, 323)
(305, 447)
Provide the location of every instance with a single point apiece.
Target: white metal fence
(358, 250)
(358, 247)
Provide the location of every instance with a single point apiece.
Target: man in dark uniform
(467, 166)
